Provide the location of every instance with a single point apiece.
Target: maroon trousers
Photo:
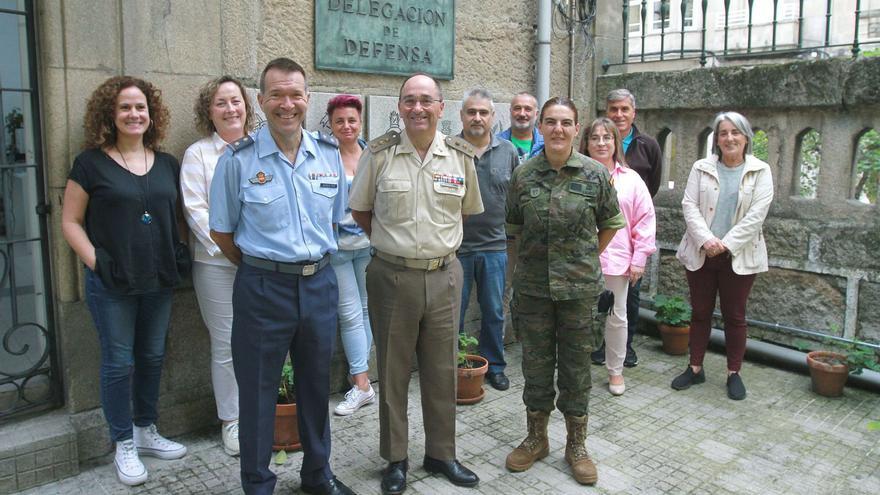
(716, 277)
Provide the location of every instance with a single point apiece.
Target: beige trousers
(415, 312)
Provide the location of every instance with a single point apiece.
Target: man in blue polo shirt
(274, 199)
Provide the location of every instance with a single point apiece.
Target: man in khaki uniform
(409, 195)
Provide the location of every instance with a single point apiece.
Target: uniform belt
(427, 265)
(305, 269)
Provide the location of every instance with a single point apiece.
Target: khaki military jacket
(556, 216)
(417, 204)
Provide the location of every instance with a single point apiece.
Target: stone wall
(179, 45)
(825, 272)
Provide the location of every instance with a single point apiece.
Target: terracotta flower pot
(470, 381)
(286, 428)
(828, 372)
(675, 339)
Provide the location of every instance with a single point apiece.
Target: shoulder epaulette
(384, 141)
(241, 143)
(326, 138)
(461, 144)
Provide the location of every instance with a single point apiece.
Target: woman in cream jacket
(725, 203)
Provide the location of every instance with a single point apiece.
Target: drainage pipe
(542, 68)
(778, 356)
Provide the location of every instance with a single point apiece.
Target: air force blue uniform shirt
(279, 211)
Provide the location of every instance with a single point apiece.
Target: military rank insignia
(261, 178)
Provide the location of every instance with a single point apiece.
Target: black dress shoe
(453, 470)
(498, 380)
(394, 478)
(329, 487)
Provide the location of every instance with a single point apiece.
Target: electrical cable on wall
(579, 24)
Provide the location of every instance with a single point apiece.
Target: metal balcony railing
(704, 29)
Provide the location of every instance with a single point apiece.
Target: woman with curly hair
(223, 115)
(120, 216)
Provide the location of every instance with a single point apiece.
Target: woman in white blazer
(725, 203)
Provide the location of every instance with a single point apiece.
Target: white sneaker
(149, 442)
(129, 468)
(229, 437)
(354, 400)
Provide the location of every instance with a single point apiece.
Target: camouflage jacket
(556, 216)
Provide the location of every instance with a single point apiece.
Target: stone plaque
(397, 37)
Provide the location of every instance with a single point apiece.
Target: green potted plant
(674, 318)
(829, 370)
(286, 426)
(471, 371)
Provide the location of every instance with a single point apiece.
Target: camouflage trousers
(556, 335)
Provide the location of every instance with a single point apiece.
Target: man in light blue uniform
(274, 199)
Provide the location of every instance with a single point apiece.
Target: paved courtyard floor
(781, 439)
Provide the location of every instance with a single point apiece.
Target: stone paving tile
(652, 440)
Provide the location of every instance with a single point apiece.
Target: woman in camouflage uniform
(557, 202)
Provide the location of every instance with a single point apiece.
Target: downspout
(778, 356)
(571, 14)
(542, 69)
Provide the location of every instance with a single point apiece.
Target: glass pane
(688, 13)
(17, 138)
(635, 18)
(867, 168)
(12, 4)
(23, 343)
(13, 51)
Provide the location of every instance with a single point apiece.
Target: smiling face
(600, 145)
(345, 124)
(131, 114)
(477, 116)
(523, 112)
(559, 127)
(228, 111)
(731, 142)
(419, 106)
(285, 101)
(622, 113)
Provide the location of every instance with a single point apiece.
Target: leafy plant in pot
(286, 426)
(674, 318)
(829, 370)
(471, 371)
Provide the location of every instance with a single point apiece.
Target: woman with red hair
(350, 261)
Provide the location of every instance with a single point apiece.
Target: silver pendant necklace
(146, 218)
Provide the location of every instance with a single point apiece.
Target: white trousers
(213, 284)
(615, 324)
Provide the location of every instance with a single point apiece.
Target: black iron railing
(763, 28)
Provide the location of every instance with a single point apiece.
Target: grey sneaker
(688, 378)
(736, 390)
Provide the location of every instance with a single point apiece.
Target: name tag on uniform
(329, 185)
(449, 181)
(588, 189)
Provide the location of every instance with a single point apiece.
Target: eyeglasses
(410, 102)
(601, 139)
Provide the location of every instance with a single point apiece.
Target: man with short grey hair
(483, 250)
(522, 132)
(642, 154)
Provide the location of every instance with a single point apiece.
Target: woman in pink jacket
(623, 261)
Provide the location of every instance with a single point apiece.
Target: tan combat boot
(576, 451)
(535, 446)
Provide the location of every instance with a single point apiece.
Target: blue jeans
(132, 330)
(487, 269)
(354, 320)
